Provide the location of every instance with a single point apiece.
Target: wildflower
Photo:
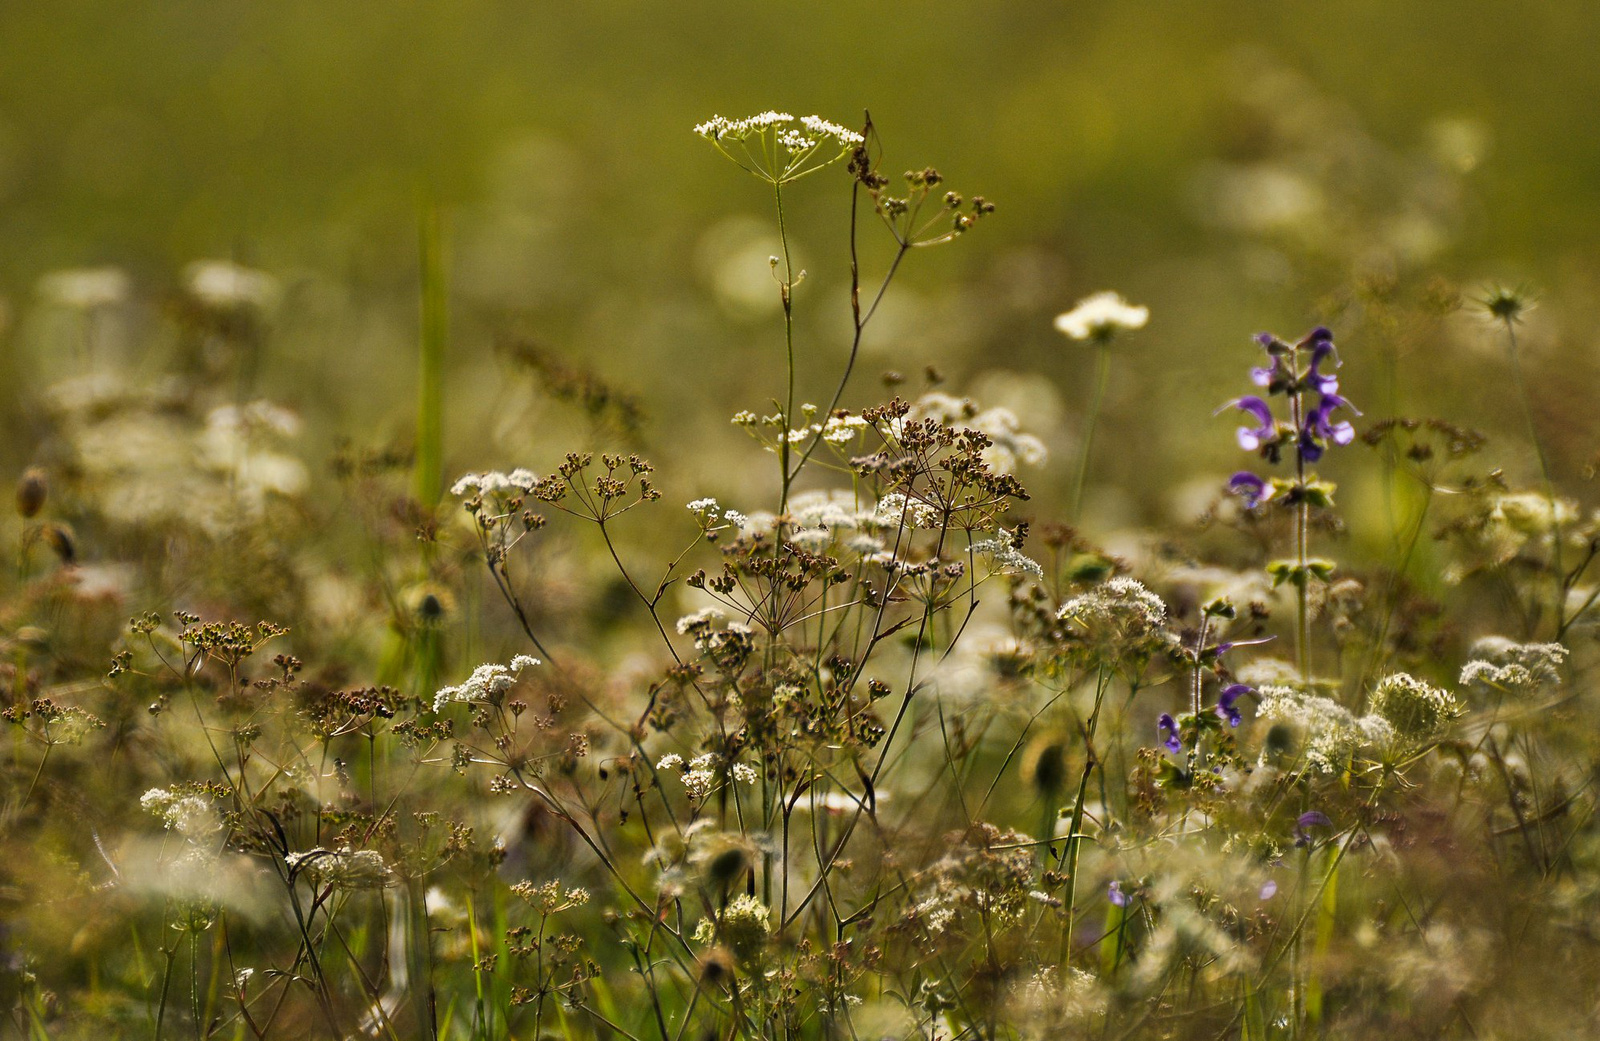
(1265, 433)
(1305, 822)
(1417, 710)
(1322, 348)
(700, 621)
(744, 772)
(1515, 668)
(85, 289)
(1099, 317)
(1227, 702)
(843, 429)
(1120, 604)
(754, 143)
(1251, 488)
(225, 286)
(1005, 557)
(1319, 429)
(487, 682)
(344, 868)
(1333, 736)
(1115, 894)
(1169, 726)
(190, 815)
(670, 761)
(517, 482)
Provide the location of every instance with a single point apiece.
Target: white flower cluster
(519, 481)
(811, 131)
(486, 681)
(712, 517)
(1100, 316)
(1515, 668)
(700, 621)
(192, 816)
(1011, 445)
(895, 510)
(344, 868)
(1004, 558)
(1418, 711)
(1532, 513)
(1122, 604)
(843, 429)
(699, 775)
(1332, 734)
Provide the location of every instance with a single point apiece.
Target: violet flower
(1228, 702)
(1322, 349)
(1169, 726)
(1252, 438)
(1115, 894)
(1305, 822)
(1251, 488)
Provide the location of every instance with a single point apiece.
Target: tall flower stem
(1559, 606)
(1302, 543)
(1069, 851)
(787, 290)
(1101, 379)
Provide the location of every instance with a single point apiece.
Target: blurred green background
(1236, 166)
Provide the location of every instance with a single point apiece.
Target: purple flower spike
(1252, 438)
(1306, 821)
(1228, 702)
(1249, 487)
(1115, 894)
(1169, 726)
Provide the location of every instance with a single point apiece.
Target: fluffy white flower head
(1101, 316)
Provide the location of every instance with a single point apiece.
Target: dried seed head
(61, 543)
(727, 866)
(716, 967)
(32, 490)
(1046, 764)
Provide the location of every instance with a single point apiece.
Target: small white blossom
(1100, 316)
(85, 288)
(227, 286)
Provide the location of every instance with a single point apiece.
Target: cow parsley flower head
(1418, 711)
(1120, 603)
(486, 682)
(1100, 317)
(1522, 669)
(516, 482)
(777, 147)
(1333, 735)
(1005, 558)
